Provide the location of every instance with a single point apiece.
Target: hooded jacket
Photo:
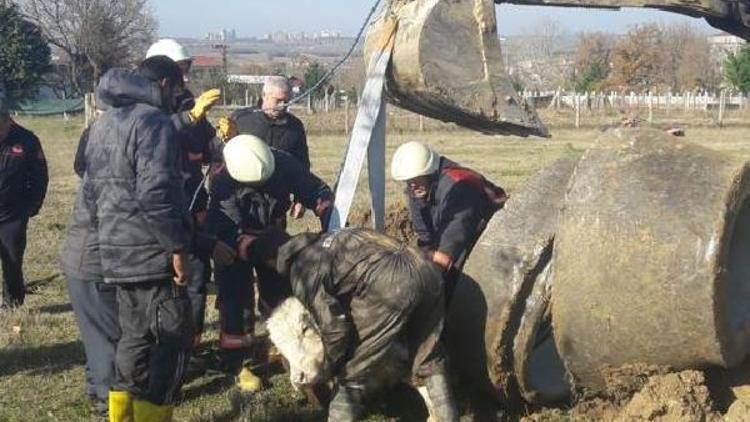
(378, 304)
(132, 190)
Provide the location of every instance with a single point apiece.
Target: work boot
(145, 411)
(248, 382)
(441, 405)
(120, 406)
(347, 405)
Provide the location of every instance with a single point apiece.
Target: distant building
(284, 37)
(225, 35)
(722, 45)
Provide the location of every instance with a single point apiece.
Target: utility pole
(224, 65)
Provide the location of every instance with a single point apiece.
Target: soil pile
(397, 223)
(650, 396)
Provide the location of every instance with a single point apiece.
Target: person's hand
(226, 128)
(182, 269)
(223, 254)
(297, 211)
(243, 246)
(204, 103)
(442, 260)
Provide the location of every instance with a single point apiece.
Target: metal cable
(332, 71)
(346, 57)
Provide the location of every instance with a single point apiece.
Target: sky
(194, 18)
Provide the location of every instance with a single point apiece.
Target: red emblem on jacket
(16, 149)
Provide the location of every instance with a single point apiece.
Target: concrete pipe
(652, 258)
(497, 289)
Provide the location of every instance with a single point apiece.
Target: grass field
(41, 357)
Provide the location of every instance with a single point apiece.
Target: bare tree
(592, 60)
(689, 64)
(675, 57)
(95, 35)
(536, 58)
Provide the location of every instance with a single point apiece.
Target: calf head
(294, 332)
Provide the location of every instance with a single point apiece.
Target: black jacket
(133, 188)
(195, 142)
(236, 207)
(23, 174)
(453, 215)
(286, 134)
(378, 304)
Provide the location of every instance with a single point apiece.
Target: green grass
(41, 357)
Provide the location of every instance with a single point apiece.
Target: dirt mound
(649, 396)
(681, 396)
(397, 223)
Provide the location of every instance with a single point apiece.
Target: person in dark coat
(251, 193)
(449, 205)
(23, 186)
(378, 307)
(132, 189)
(94, 302)
(275, 125)
(194, 140)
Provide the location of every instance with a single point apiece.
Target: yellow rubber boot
(120, 406)
(248, 382)
(145, 411)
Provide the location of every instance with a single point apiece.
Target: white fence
(688, 101)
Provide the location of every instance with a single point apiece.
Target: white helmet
(170, 48)
(249, 159)
(413, 159)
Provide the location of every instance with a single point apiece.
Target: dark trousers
(12, 248)
(154, 348)
(196, 290)
(95, 307)
(237, 304)
(237, 295)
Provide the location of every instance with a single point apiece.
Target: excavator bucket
(446, 64)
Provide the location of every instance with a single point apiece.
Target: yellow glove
(204, 103)
(227, 128)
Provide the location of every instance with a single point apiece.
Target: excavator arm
(446, 60)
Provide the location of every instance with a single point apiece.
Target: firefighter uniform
(23, 186)
(454, 213)
(238, 209)
(195, 142)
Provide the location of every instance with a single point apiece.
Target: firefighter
(250, 194)
(23, 186)
(378, 307)
(132, 190)
(449, 205)
(195, 141)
